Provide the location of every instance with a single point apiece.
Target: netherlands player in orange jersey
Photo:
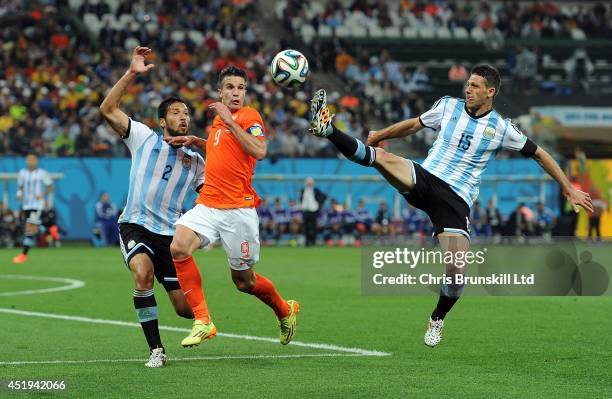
(225, 210)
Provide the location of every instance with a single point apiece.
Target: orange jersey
(228, 170)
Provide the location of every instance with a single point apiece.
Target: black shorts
(446, 209)
(32, 216)
(135, 239)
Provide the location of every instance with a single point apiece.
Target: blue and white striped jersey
(160, 177)
(466, 144)
(33, 183)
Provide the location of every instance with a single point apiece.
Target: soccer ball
(289, 68)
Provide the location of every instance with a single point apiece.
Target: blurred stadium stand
(60, 57)
(547, 52)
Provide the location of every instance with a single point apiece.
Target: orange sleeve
(253, 124)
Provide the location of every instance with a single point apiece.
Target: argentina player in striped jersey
(34, 184)
(160, 178)
(470, 133)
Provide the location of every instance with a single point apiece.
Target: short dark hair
(162, 108)
(231, 71)
(490, 75)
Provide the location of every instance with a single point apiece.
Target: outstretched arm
(110, 106)
(574, 196)
(400, 129)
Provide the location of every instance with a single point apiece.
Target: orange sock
(191, 283)
(54, 231)
(265, 291)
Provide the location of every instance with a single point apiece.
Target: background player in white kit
(470, 133)
(34, 184)
(160, 177)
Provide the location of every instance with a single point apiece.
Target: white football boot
(321, 119)
(433, 336)
(158, 358)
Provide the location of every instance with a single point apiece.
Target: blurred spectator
(526, 220)
(295, 227)
(493, 38)
(349, 231)
(457, 73)
(520, 222)
(478, 219)
(82, 144)
(413, 221)
(599, 207)
(420, 80)
(581, 157)
(526, 69)
(281, 219)
(382, 221)
(343, 60)
(266, 224)
(545, 220)
(19, 141)
(4, 143)
(106, 220)
(579, 68)
(64, 144)
(9, 227)
(311, 200)
(332, 234)
(363, 222)
(493, 219)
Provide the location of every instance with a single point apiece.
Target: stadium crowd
(507, 19)
(56, 63)
(53, 74)
(393, 90)
(340, 224)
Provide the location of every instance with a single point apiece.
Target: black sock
(445, 303)
(28, 241)
(146, 310)
(352, 148)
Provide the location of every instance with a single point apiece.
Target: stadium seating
(101, 37)
(415, 36)
(409, 38)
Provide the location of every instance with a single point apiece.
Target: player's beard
(174, 132)
(476, 105)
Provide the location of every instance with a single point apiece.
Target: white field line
(71, 284)
(329, 347)
(182, 359)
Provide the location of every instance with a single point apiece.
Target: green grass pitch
(527, 347)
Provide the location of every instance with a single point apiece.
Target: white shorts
(237, 229)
